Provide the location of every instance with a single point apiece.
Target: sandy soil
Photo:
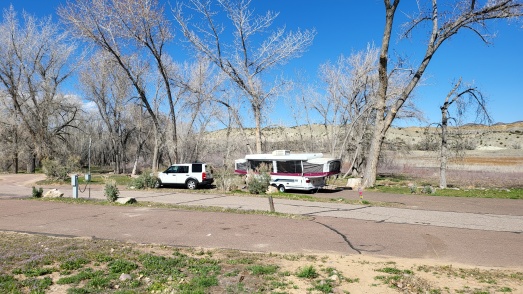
(360, 274)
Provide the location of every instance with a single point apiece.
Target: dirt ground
(362, 274)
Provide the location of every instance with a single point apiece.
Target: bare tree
(462, 15)
(351, 86)
(135, 34)
(34, 63)
(12, 137)
(243, 60)
(458, 96)
(199, 83)
(106, 85)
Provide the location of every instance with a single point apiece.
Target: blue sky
(346, 26)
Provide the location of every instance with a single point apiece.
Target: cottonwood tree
(199, 83)
(248, 54)
(350, 88)
(135, 34)
(444, 24)
(105, 84)
(301, 110)
(351, 85)
(463, 97)
(228, 117)
(12, 137)
(34, 63)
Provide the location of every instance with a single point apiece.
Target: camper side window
(255, 164)
(293, 166)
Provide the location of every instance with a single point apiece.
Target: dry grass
(476, 168)
(489, 161)
(40, 264)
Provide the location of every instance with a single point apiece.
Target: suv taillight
(203, 176)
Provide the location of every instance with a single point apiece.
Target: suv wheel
(191, 184)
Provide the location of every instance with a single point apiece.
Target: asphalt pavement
(484, 232)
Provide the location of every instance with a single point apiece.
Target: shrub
(226, 180)
(37, 193)
(53, 169)
(57, 170)
(413, 188)
(428, 190)
(144, 181)
(257, 182)
(111, 191)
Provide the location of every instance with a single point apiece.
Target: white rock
(54, 193)
(271, 190)
(125, 277)
(354, 183)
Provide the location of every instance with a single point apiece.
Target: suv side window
(197, 168)
(183, 169)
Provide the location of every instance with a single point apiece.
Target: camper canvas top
(283, 155)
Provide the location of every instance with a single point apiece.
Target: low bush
(53, 169)
(111, 191)
(428, 190)
(146, 180)
(57, 170)
(258, 182)
(226, 180)
(37, 193)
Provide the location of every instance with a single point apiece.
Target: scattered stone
(54, 193)
(271, 190)
(125, 277)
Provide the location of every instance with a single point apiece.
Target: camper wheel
(281, 188)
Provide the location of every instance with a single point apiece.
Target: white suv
(191, 175)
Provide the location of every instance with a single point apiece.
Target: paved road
(488, 237)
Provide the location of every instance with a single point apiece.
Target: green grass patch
(515, 193)
(263, 269)
(96, 179)
(307, 272)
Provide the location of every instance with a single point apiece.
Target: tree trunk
(156, 150)
(444, 148)
(16, 152)
(31, 163)
(371, 168)
(15, 162)
(380, 123)
(257, 116)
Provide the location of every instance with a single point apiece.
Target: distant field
(476, 168)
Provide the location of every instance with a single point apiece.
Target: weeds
(308, 272)
(263, 269)
(37, 193)
(95, 266)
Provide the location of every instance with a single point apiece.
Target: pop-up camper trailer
(300, 171)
